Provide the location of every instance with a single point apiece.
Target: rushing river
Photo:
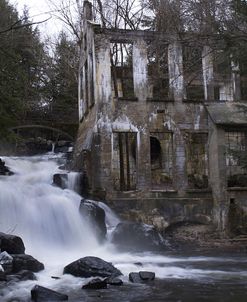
(48, 220)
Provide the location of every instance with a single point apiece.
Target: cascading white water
(45, 216)
(73, 182)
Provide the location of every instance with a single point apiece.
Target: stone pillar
(104, 109)
(140, 69)
(141, 91)
(217, 175)
(103, 76)
(175, 66)
(208, 73)
(87, 10)
(236, 81)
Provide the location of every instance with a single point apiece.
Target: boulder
(2, 276)
(114, 281)
(3, 169)
(141, 277)
(95, 284)
(133, 236)
(11, 244)
(26, 262)
(60, 180)
(91, 267)
(42, 294)
(95, 216)
(23, 275)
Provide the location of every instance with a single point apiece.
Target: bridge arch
(57, 132)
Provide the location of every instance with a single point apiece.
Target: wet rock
(11, 244)
(91, 267)
(6, 262)
(135, 278)
(2, 276)
(26, 262)
(147, 276)
(3, 169)
(95, 284)
(42, 294)
(141, 277)
(95, 215)
(23, 275)
(60, 180)
(114, 281)
(133, 236)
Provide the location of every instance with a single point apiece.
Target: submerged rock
(91, 267)
(95, 284)
(23, 275)
(26, 262)
(60, 180)
(3, 169)
(11, 244)
(95, 215)
(41, 294)
(133, 236)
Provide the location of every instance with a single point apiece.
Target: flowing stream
(47, 219)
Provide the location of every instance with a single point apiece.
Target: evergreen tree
(63, 83)
(21, 59)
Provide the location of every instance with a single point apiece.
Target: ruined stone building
(158, 140)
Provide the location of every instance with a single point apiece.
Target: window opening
(86, 92)
(193, 75)
(124, 161)
(161, 150)
(197, 160)
(122, 70)
(236, 159)
(158, 75)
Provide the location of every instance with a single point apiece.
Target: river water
(48, 220)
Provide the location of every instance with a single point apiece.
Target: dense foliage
(33, 80)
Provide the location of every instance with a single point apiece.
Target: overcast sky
(38, 11)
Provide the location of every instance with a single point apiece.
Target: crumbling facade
(157, 139)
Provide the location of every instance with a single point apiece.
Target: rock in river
(26, 262)
(133, 236)
(91, 267)
(11, 244)
(141, 277)
(42, 294)
(95, 215)
(95, 283)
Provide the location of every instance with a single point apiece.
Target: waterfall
(45, 216)
(74, 181)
